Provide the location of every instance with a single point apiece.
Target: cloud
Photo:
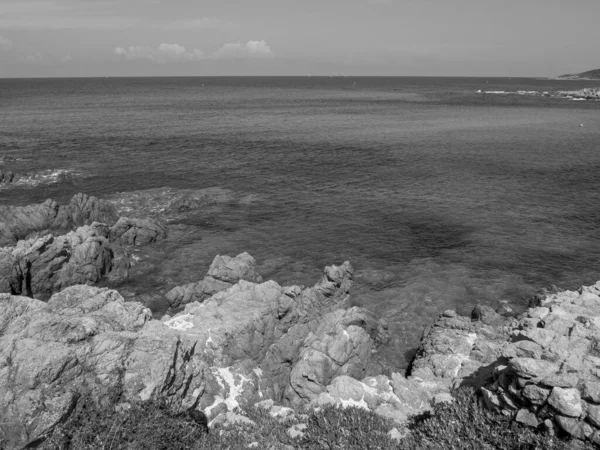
(164, 53)
(251, 49)
(5, 43)
(196, 24)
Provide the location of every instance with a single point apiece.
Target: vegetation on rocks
(461, 425)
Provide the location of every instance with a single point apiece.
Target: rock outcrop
(137, 232)
(85, 340)
(213, 357)
(19, 222)
(586, 94)
(548, 373)
(39, 267)
(222, 274)
(541, 369)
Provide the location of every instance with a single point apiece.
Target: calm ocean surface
(439, 196)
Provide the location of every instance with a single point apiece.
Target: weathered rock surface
(18, 222)
(541, 367)
(222, 274)
(215, 356)
(85, 340)
(137, 231)
(39, 267)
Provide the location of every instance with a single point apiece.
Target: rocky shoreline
(233, 340)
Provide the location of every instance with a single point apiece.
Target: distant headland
(589, 75)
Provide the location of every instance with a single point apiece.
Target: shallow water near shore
(440, 197)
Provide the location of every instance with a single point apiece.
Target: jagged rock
(222, 274)
(17, 222)
(195, 292)
(341, 345)
(86, 340)
(232, 270)
(39, 267)
(252, 334)
(137, 231)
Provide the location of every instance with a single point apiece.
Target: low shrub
(466, 425)
(461, 425)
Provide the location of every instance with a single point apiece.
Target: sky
(48, 38)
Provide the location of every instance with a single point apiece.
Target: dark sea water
(439, 196)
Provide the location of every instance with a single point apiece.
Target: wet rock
(232, 270)
(137, 232)
(17, 222)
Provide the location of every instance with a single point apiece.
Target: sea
(443, 193)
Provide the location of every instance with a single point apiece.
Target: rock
(566, 401)
(222, 274)
(85, 340)
(563, 380)
(574, 427)
(532, 368)
(195, 292)
(137, 231)
(228, 419)
(232, 270)
(536, 394)
(46, 265)
(527, 418)
(593, 414)
(341, 345)
(591, 391)
(486, 315)
(17, 222)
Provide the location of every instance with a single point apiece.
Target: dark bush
(143, 426)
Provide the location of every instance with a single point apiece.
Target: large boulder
(86, 340)
(232, 270)
(222, 274)
(39, 267)
(137, 231)
(18, 222)
(341, 345)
